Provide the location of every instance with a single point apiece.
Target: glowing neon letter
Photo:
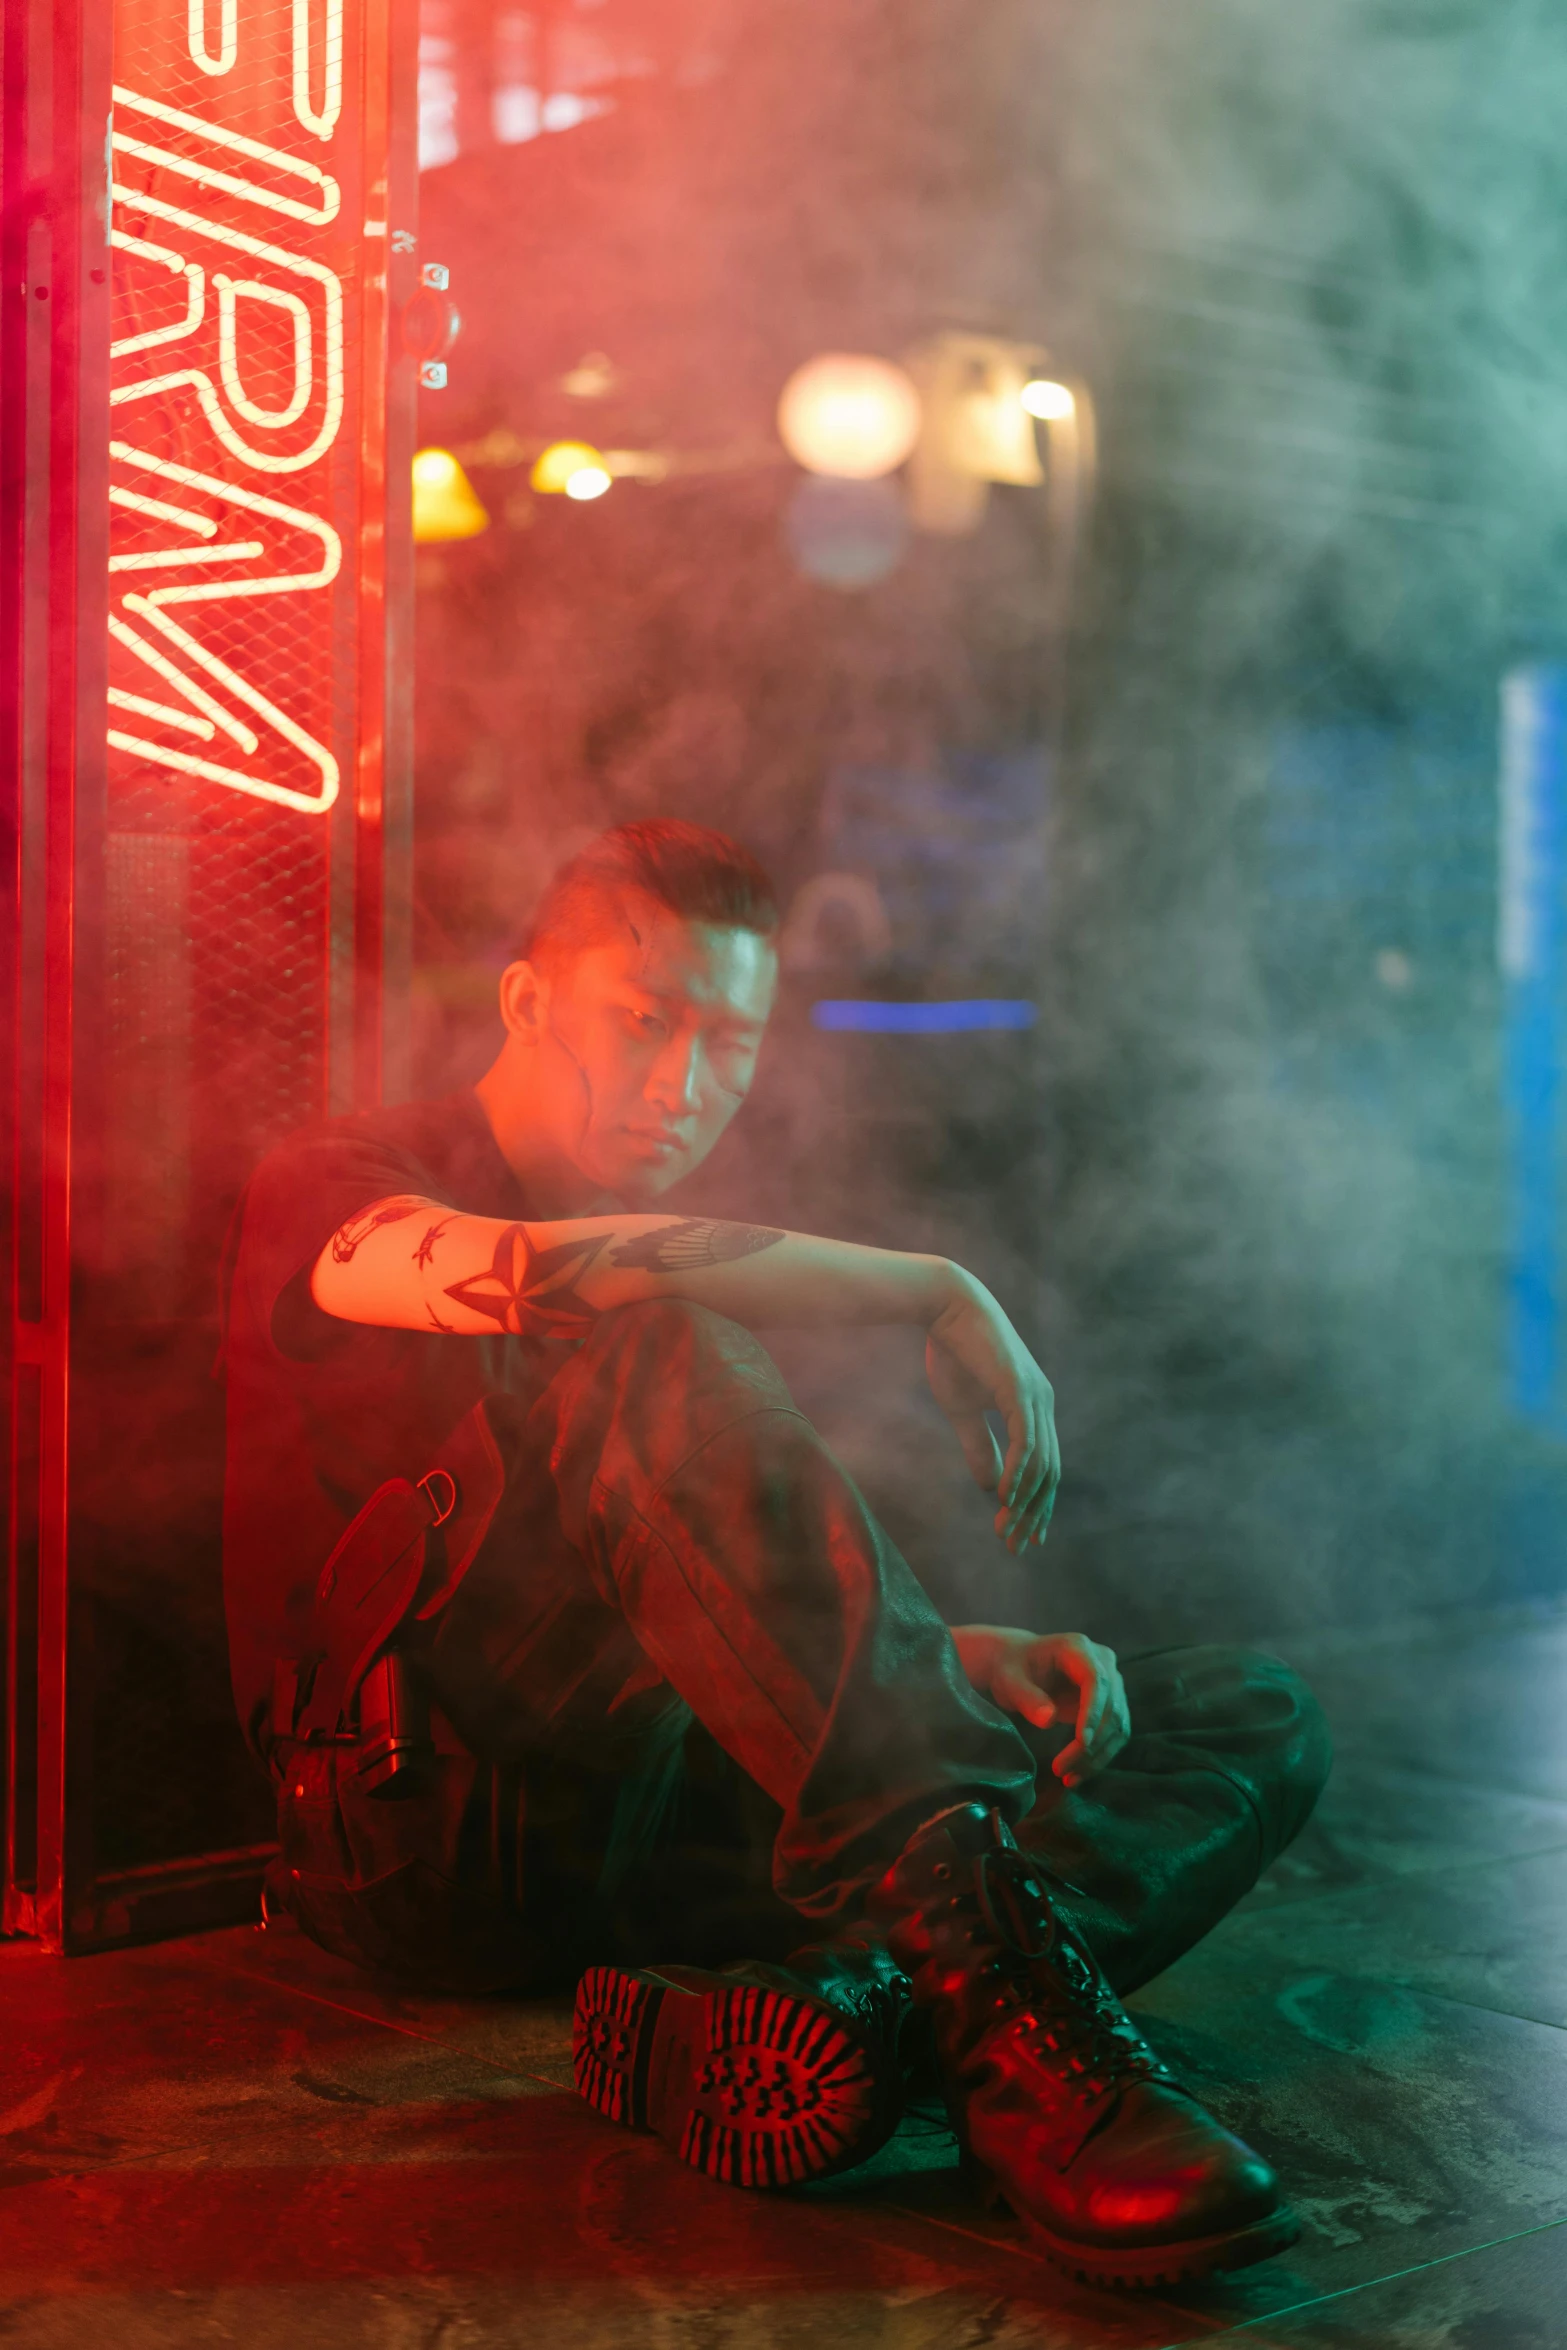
(229, 291)
(228, 36)
(195, 300)
(207, 176)
(323, 123)
(201, 384)
(226, 171)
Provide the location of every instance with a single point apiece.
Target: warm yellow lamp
(572, 468)
(1051, 402)
(849, 416)
(445, 506)
(978, 393)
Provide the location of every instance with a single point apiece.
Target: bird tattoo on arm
(351, 1235)
(692, 1242)
(424, 1254)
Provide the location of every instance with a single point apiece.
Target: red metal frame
(53, 210)
(56, 73)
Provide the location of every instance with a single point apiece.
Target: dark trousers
(697, 1703)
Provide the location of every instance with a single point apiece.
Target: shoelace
(1087, 2024)
(1097, 2034)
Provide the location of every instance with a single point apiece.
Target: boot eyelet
(942, 1872)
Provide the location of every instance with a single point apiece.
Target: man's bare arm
(402, 1262)
(412, 1264)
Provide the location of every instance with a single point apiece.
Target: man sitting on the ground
(574, 1653)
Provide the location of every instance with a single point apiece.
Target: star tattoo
(532, 1290)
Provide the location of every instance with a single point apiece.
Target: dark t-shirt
(320, 1411)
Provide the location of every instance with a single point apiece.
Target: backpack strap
(399, 1560)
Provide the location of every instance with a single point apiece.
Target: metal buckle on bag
(440, 1509)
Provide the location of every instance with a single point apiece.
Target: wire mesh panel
(238, 235)
(225, 887)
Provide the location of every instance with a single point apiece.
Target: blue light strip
(950, 1019)
(1532, 943)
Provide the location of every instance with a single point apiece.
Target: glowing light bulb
(560, 464)
(849, 416)
(445, 505)
(589, 481)
(1051, 401)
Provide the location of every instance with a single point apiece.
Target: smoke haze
(1246, 1184)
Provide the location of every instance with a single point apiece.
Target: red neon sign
(250, 242)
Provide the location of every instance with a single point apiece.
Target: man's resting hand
(1052, 1677)
(976, 1362)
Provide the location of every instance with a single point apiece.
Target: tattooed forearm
(548, 1280)
(691, 1242)
(474, 1275)
(425, 1252)
(351, 1235)
(530, 1289)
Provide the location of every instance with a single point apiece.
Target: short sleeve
(295, 1201)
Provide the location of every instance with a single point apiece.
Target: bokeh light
(846, 534)
(564, 462)
(849, 416)
(1052, 402)
(446, 505)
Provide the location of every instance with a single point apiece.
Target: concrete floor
(234, 2138)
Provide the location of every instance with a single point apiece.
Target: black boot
(1060, 2105)
(762, 2076)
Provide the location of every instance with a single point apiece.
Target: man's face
(647, 1045)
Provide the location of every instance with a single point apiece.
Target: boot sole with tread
(752, 2085)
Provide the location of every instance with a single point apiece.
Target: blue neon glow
(949, 1019)
(1532, 951)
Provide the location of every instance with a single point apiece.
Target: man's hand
(1052, 1677)
(976, 1362)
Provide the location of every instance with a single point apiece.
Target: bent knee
(1249, 1705)
(1310, 1744)
(1278, 1699)
(1288, 1711)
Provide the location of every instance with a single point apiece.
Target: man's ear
(525, 1002)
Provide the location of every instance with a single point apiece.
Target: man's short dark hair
(699, 875)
